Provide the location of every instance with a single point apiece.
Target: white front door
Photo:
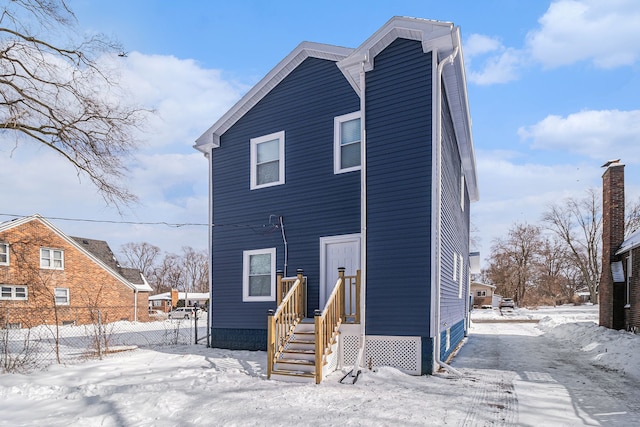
(335, 252)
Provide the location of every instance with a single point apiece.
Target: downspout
(363, 222)
(135, 305)
(286, 250)
(209, 157)
(448, 60)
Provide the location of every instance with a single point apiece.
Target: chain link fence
(26, 346)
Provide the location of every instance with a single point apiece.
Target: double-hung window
(267, 160)
(259, 282)
(52, 258)
(61, 296)
(4, 253)
(9, 292)
(346, 143)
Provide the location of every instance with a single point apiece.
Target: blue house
(340, 189)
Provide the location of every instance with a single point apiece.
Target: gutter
(438, 277)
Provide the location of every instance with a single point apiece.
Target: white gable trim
(211, 138)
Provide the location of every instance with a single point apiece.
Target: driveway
(522, 377)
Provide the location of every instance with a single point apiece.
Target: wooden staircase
(300, 349)
(297, 362)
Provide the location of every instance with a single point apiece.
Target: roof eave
(211, 138)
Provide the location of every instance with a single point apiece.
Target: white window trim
(6, 245)
(254, 160)
(51, 251)
(13, 293)
(460, 277)
(462, 201)
(245, 275)
(68, 296)
(455, 267)
(337, 157)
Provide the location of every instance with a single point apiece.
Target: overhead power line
(107, 221)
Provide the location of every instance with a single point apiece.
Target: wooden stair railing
(282, 322)
(327, 323)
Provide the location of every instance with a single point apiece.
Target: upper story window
(346, 143)
(8, 292)
(267, 160)
(259, 280)
(52, 258)
(4, 253)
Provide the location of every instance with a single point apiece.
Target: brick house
(619, 291)
(47, 277)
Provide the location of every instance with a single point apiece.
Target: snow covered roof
(631, 242)
(482, 285)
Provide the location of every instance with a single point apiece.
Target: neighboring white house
(483, 295)
(168, 300)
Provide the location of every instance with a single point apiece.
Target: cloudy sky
(553, 89)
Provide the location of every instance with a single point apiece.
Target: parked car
(183, 313)
(507, 303)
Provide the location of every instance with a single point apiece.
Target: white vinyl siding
(267, 160)
(346, 143)
(52, 258)
(258, 278)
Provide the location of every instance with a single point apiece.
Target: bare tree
(196, 269)
(142, 256)
(57, 93)
(578, 223)
(514, 261)
(169, 274)
(632, 217)
(554, 282)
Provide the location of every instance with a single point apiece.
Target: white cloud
(187, 98)
(606, 33)
(516, 191)
(488, 61)
(599, 135)
(478, 44)
(501, 68)
(167, 174)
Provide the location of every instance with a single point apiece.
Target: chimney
(611, 311)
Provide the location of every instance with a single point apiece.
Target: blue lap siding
(313, 202)
(399, 135)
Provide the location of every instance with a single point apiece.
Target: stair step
(293, 376)
(296, 340)
(300, 351)
(296, 361)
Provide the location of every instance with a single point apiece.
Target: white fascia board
(211, 138)
(426, 31)
(455, 82)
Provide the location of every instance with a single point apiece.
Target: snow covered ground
(565, 370)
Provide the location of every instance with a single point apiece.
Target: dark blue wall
(313, 201)
(399, 134)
